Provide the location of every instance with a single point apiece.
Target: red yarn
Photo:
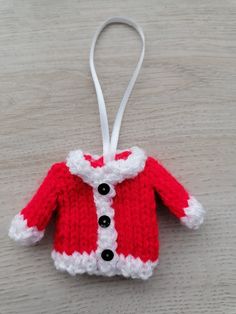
(134, 204)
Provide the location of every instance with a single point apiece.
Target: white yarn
(106, 236)
(21, 233)
(78, 263)
(194, 214)
(114, 171)
(109, 147)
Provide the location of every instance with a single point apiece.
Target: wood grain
(182, 111)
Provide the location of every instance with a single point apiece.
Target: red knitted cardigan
(106, 220)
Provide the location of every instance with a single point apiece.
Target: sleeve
(184, 206)
(28, 226)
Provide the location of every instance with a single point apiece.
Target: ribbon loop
(110, 145)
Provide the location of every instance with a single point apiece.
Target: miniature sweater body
(106, 219)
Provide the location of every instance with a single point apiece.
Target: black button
(107, 255)
(104, 221)
(103, 188)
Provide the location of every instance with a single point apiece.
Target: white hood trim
(79, 263)
(112, 172)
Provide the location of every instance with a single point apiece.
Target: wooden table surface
(182, 111)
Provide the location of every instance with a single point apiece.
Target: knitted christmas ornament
(106, 211)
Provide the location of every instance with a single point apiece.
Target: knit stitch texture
(127, 243)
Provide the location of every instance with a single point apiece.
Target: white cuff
(194, 214)
(22, 234)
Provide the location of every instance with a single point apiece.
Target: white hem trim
(194, 214)
(78, 263)
(112, 172)
(21, 233)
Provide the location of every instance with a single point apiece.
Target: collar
(91, 168)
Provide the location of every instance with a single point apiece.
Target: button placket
(107, 235)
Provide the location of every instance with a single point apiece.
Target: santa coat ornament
(106, 221)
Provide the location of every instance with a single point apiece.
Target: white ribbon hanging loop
(110, 145)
